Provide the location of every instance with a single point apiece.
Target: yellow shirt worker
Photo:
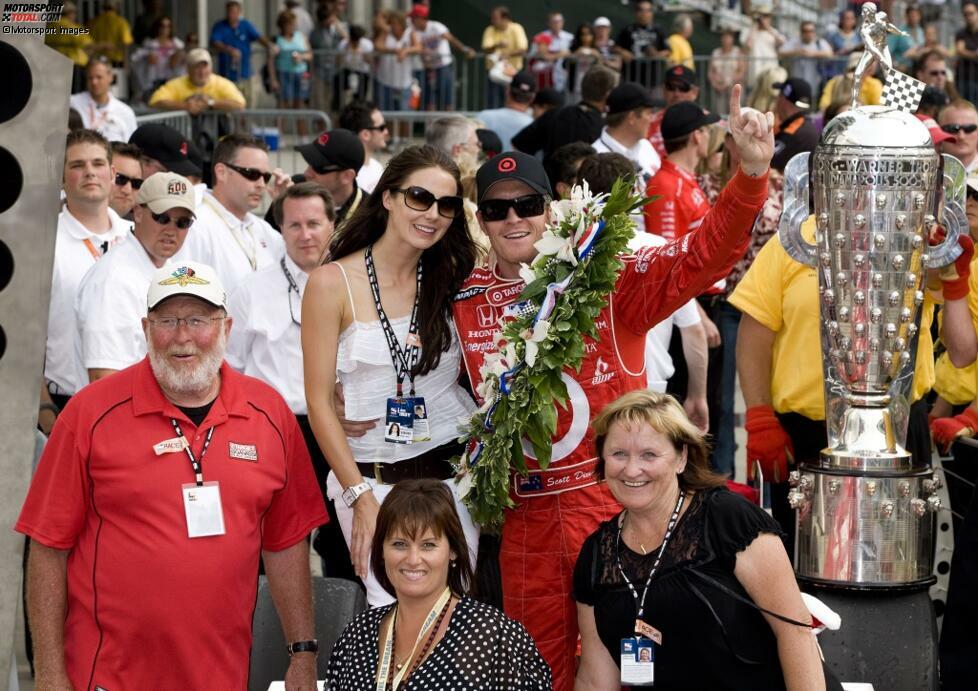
(506, 36)
(198, 90)
(110, 33)
(70, 39)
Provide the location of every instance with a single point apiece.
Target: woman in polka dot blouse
(433, 636)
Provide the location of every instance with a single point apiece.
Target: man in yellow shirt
(680, 49)
(71, 39)
(839, 88)
(779, 363)
(110, 33)
(505, 42)
(199, 90)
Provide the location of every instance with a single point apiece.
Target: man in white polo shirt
(99, 109)
(87, 228)
(266, 339)
(626, 124)
(227, 236)
(111, 300)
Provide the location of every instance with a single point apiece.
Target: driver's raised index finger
(735, 115)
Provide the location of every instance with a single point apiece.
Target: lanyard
(251, 256)
(292, 286)
(640, 603)
(195, 462)
(96, 254)
(387, 659)
(404, 359)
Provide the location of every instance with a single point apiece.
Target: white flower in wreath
(463, 481)
(551, 244)
(533, 338)
(527, 274)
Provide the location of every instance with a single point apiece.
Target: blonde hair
(663, 414)
(764, 94)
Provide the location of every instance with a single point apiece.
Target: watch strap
(353, 492)
(303, 647)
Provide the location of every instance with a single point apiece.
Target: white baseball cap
(164, 191)
(198, 55)
(602, 21)
(186, 278)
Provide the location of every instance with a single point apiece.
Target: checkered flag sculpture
(902, 92)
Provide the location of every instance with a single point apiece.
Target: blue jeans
(495, 94)
(436, 88)
(725, 448)
(390, 98)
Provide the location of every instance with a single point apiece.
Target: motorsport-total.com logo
(23, 18)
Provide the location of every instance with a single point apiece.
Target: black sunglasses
(377, 128)
(953, 128)
(678, 86)
(121, 181)
(525, 207)
(420, 199)
(250, 173)
(165, 219)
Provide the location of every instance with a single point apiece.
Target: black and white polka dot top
(482, 649)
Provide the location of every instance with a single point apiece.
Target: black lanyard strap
(640, 602)
(195, 462)
(292, 286)
(404, 359)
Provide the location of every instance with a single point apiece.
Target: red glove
(946, 429)
(768, 443)
(954, 278)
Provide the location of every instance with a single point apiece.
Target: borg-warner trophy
(866, 509)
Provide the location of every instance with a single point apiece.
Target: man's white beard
(192, 380)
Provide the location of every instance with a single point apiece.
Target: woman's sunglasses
(121, 180)
(420, 199)
(953, 128)
(525, 207)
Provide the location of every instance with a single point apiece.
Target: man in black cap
(626, 125)
(165, 150)
(795, 134)
(581, 122)
(515, 113)
(334, 158)
(680, 85)
(542, 534)
(932, 101)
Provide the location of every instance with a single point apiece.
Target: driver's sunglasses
(165, 219)
(121, 180)
(252, 174)
(954, 128)
(525, 207)
(377, 128)
(420, 199)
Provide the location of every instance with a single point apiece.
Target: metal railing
(177, 119)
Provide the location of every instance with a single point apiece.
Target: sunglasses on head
(420, 199)
(165, 219)
(252, 174)
(525, 207)
(121, 181)
(954, 128)
(678, 86)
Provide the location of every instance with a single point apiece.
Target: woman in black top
(721, 561)
(433, 637)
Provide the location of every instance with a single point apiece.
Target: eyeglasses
(954, 128)
(165, 219)
(678, 86)
(937, 73)
(525, 207)
(377, 128)
(250, 173)
(420, 199)
(121, 180)
(193, 323)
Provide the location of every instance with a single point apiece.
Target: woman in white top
(377, 318)
(395, 64)
(762, 45)
(159, 59)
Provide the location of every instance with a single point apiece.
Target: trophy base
(868, 443)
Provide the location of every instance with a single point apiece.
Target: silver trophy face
(873, 208)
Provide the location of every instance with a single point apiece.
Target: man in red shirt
(680, 85)
(681, 204)
(558, 508)
(158, 491)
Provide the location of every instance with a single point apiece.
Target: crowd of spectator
(149, 220)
